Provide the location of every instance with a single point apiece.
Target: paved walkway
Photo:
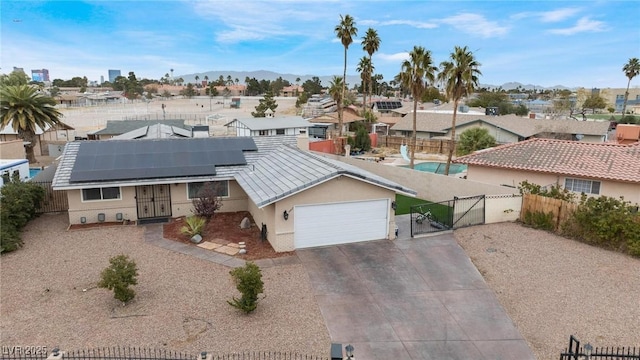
(153, 235)
(410, 299)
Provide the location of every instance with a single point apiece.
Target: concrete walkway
(410, 299)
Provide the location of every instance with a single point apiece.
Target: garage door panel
(340, 223)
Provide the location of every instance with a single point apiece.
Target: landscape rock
(245, 223)
(196, 239)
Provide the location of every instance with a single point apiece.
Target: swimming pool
(33, 172)
(438, 167)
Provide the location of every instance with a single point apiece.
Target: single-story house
(267, 126)
(291, 91)
(505, 129)
(58, 132)
(163, 131)
(591, 168)
(349, 116)
(119, 127)
(299, 198)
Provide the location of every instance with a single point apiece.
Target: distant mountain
(261, 75)
(325, 80)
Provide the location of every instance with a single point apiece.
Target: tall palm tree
(365, 68)
(336, 87)
(370, 44)
(631, 70)
(25, 110)
(206, 80)
(460, 77)
(345, 31)
(197, 78)
(416, 74)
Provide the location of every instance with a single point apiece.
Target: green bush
(248, 281)
(607, 222)
(19, 200)
(195, 225)
(122, 273)
(539, 220)
(555, 191)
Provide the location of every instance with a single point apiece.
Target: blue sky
(547, 43)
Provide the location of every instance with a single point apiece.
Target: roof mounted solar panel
(159, 158)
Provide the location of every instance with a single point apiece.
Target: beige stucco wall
(12, 137)
(90, 209)
(12, 149)
(181, 205)
(429, 186)
(630, 191)
(341, 189)
(502, 136)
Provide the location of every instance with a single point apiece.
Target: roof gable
(117, 127)
(570, 158)
(265, 123)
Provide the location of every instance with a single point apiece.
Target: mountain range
(325, 80)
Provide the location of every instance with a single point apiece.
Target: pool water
(438, 167)
(33, 172)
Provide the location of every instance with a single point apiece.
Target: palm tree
(417, 72)
(25, 110)
(631, 70)
(460, 78)
(336, 88)
(206, 80)
(370, 44)
(365, 69)
(345, 31)
(197, 78)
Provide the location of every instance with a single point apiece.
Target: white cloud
(548, 16)
(583, 25)
(415, 24)
(397, 57)
(475, 24)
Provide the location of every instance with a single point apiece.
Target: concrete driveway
(410, 299)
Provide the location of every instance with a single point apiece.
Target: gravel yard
(180, 301)
(554, 287)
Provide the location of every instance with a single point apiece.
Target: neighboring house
(505, 129)
(291, 91)
(119, 127)
(13, 167)
(231, 90)
(58, 132)
(298, 198)
(268, 126)
(331, 119)
(156, 131)
(593, 168)
(627, 133)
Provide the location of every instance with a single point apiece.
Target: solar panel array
(151, 159)
(388, 105)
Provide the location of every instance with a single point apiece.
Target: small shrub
(122, 273)
(195, 225)
(555, 191)
(539, 220)
(248, 281)
(207, 202)
(20, 200)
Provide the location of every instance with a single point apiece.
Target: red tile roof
(604, 161)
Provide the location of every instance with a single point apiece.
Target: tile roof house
(505, 129)
(593, 168)
(267, 126)
(299, 198)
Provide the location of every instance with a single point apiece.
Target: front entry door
(153, 201)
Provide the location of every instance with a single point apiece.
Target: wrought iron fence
(137, 353)
(54, 200)
(447, 215)
(576, 352)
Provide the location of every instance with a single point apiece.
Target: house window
(106, 193)
(279, 131)
(582, 186)
(262, 133)
(221, 187)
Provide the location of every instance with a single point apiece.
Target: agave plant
(194, 226)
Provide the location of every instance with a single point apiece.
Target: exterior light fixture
(285, 215)
(587, 351)
(349, 351)
(394, 205)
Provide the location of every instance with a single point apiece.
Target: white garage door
(340, 223)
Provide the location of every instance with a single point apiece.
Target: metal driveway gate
(447, 215)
